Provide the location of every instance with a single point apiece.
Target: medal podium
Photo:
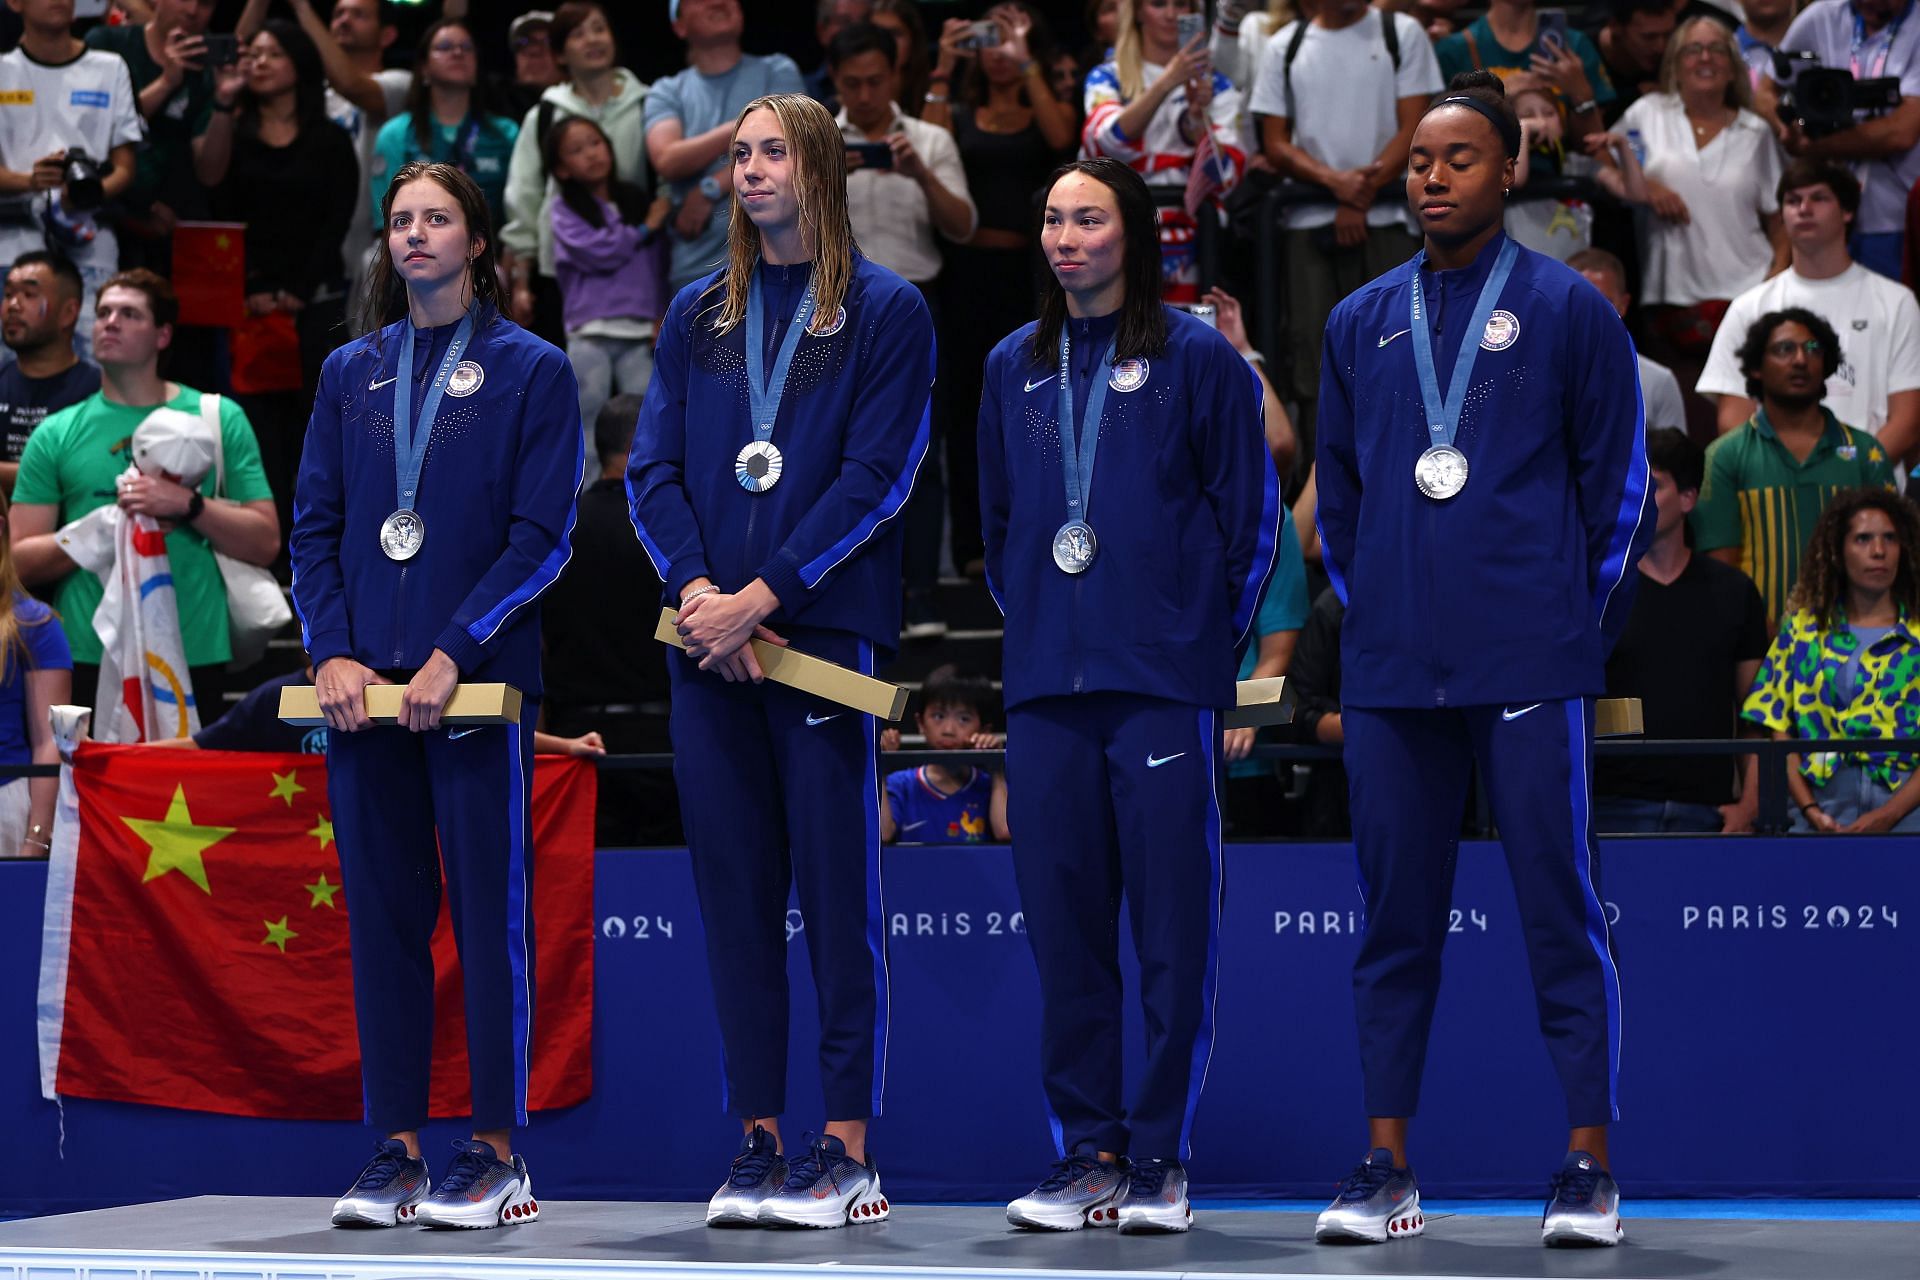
(245, 1238)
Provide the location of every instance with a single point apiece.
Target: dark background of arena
(647, 42)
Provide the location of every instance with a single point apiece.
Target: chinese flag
(210, 272)
(206, 964)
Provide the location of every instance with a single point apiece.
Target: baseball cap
(531, 18)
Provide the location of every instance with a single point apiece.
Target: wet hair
(1143, 320)
(859, 38)
(1670, 450)
(1753, 349)
(386, 295)
(1808, 172)
(1822, 587)
(1482, 93)
(954, 686)
(613, 426)
(629, 199)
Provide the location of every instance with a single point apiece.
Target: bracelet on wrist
(936, 99)
(42, 843)
(696, 593)
(1582, 108)
(1809, 806)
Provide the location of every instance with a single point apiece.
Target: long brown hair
(480, 104)
(1143, 320)
(386, 296)
(818, 155)
(1822, 588)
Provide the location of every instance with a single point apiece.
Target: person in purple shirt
(610, 264)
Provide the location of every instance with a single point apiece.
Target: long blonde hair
(818, 155)
(1129, 54)
(10, 624)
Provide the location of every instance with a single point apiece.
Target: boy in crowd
(938, 803)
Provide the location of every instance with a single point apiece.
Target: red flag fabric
(206, 964)
(210, 272)
(1203, 175)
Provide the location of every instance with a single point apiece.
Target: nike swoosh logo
(1154, 762)
(375, 386)
(1043, 382)
(914, 826)
(814, 719)
(1390, 337)
(1515, 715)
(454, 734)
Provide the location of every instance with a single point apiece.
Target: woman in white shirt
(1711, 166)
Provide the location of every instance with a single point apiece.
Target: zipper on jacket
(399, 637)
(1433, 576)
(1073, 633)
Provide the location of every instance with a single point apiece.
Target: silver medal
(402, 533)
(757, 466)
(1074, 546)
(1441, 472)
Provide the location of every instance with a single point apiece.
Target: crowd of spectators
(241, 150)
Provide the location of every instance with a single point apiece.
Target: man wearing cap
(534, 67)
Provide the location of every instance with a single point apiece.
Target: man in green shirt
(1769, 479)
(74, 463)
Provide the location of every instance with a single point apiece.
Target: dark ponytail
(1483, 93)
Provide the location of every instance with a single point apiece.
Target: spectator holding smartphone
(63, 99)
(172, 73)
(1152, 106)
(1515, 35)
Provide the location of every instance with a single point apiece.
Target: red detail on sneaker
(533, 1206)
(883, 1206)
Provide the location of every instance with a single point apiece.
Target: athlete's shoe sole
(1600, 1232)
(1403, 1225)
(367, 1216)
(1155, 1221)
(831, 1211)
(1104, 1214)
(510, 1209)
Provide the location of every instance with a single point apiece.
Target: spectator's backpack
(1389, 35)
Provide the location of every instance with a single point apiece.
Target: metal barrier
(1772, 818)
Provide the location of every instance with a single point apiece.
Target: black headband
(1502, 123)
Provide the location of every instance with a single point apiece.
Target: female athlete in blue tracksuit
(1483, 501)
(434, 505)
(780, 437)
(1124, 612)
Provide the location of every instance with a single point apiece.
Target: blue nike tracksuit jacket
(1478, 628)
(1114, 679)
(781, 790)
(496, 495)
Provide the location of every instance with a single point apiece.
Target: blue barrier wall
(1767, 1041)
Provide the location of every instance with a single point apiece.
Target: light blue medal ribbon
(1441, 471)
(402, 533)
(1074, 544)
(757, 466)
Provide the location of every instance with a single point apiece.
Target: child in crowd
(610, 261)
(1561, 226)
(938, 804)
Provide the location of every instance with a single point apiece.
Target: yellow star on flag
(322, 892)
(177, 843)
(277, 934)
(323, 832)
(286, 786)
